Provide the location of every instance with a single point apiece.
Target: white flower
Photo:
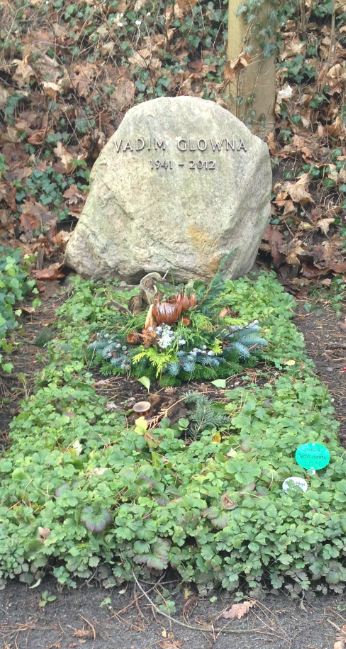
(165, 337)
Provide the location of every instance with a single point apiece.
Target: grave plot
(177, 423)
(236, 480)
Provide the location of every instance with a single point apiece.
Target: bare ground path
(127, 621)
(325, 339)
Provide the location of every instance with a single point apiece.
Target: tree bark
(252, 88)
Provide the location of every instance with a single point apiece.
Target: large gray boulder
(179, 185)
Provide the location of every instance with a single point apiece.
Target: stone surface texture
(164, 198)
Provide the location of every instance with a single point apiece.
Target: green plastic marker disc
(312, 456)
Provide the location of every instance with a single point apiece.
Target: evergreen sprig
(216, 286)
(204, 414)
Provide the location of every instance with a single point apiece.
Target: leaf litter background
(70, 71)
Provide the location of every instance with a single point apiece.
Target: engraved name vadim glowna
(182, 144)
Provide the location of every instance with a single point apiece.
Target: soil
(28, 356)
(325, 339)
(104, 619)
(110, 619)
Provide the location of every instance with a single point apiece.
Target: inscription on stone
(180, 184)
(184, 145)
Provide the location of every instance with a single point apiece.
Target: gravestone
(179, 185)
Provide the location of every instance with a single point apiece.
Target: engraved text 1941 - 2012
(185, 145)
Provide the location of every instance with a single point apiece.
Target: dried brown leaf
(47, 69)
(75, 200)
(292, 48)
(336, 129)
(237, 611)
(61, 238)
(83, 633)
(329, 255)
(66, 158)
(82, 78)
(311, 272)
(8, 195)
(37, 137)
(49, 273)
(186, 5)
(324, 224)
(232, 68)
(189, 605)
(19, 174)
(271, 142)
(339, 644)
(276, 242)
(141, 57)
(298, 190)
(295, 249)
(337, 71)
(123, 95)
(35, 216)
(227, 503)
(170, 644)
(24, 71)
(51, 88)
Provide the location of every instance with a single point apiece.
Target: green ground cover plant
(84, 494)
(15, 284)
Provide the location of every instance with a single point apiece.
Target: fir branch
(205, 415)
(215, 287)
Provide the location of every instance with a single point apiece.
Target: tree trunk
(252, 86)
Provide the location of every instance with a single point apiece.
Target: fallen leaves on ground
(340, 642)
(50, 273)
(83, 633)
(35, 216)
(66, 91)
(170, 644)
(237, 611)
(298, 190)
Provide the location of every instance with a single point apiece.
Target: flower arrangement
(185, 336)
